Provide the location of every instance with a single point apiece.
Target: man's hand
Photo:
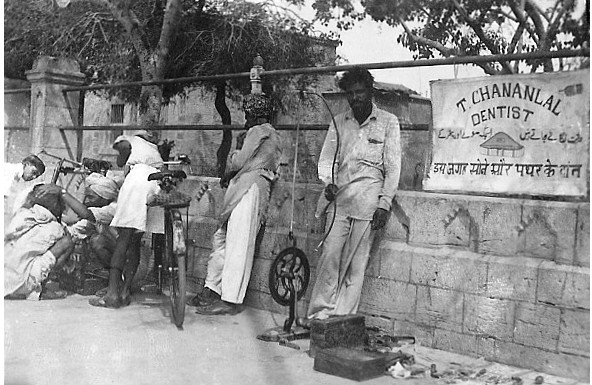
(331, 192)
(379, 219)
(225, 180)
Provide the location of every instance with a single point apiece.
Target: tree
(150, 40)
(473, 27)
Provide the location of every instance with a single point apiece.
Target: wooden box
(354, 364)
(345, 331)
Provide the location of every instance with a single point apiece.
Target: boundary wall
(499, 278)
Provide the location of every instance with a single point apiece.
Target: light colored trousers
(341, 268)
(231, 261)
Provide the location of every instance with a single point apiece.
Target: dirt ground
(70, 342)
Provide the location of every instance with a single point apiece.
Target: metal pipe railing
(338, 68)
(217, 127)
(585, 52)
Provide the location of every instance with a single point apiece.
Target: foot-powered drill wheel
(290, 267)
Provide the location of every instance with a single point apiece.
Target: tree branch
(481, 34)
(445, 51)
(523, 21)
(167, 34)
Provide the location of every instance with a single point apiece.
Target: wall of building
(504, 279)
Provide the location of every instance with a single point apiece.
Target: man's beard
(360, 108)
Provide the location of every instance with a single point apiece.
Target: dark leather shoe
(205, 298)
(218, 308)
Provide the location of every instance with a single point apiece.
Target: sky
(370, 41)
(373, 42)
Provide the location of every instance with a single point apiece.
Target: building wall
(504, 279)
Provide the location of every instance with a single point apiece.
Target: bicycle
(174, 261)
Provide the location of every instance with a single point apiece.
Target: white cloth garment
(340, 270)
(231, 261)
(366, 171)
(27, 259)
(131, 211)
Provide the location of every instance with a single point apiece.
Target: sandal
(126, 301)
(101, 292)
(100, 302)
(50, 294)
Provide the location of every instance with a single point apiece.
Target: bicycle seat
(179, 174)
(172, 199)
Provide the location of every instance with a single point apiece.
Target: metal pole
(369, 66)
(80, 123)
(217, 127)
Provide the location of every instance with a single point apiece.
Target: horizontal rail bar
(18, 91)
(217, 127)
(346, 67)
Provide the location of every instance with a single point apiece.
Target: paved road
(70, 342)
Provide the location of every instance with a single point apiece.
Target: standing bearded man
(360, 166)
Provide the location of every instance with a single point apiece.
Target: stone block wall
(503, 279)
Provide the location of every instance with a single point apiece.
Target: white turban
(104, 187)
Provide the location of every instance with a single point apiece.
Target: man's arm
(255, 136)
(392, 163)
(78, 207)
(327, 156)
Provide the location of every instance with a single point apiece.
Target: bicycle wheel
(178, 280)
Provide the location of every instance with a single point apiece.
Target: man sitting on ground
(35, 242)
(94, 215)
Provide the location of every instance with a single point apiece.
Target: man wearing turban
(97, 211)
(251, 170)
(35, 242)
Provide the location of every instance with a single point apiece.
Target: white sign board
(512, 134)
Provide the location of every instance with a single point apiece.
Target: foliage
(473, 27)
(212, 37)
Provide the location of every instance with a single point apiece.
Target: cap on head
(257, 105)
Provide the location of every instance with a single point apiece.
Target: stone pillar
(51, 108)
(255, 75)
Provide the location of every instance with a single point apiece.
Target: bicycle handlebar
(180, 174)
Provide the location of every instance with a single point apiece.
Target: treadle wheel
(290, 262)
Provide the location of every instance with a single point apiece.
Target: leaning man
(251, 174)
(360, 166)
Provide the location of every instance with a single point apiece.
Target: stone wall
(504, 279)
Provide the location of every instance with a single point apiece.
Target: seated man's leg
(103, 247)
(41, 266)
(62, 249)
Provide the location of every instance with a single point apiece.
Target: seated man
(19, 177)
(94, 215)
(35, 242)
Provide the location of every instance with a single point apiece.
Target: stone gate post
(51, 108)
